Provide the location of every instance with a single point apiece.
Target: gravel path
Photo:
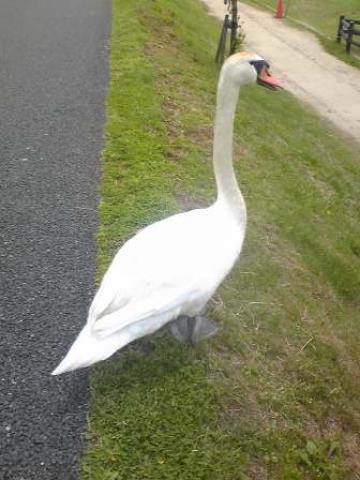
(53, 78)
(330, 86)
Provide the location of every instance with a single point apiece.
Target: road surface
(53, 77)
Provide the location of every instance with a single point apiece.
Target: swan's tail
(88, 349)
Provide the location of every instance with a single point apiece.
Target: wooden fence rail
(347, 30)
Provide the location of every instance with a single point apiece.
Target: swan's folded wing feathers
(122, 279)
(168, 303)
(155, 272)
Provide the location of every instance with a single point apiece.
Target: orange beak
(267, 80)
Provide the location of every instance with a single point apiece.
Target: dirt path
(317, 78)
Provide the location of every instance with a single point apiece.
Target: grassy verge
(275, 395)
(321, 17)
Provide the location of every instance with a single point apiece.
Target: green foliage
(275, 395)
(155, 417)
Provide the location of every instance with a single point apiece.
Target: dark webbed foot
(193, 329)
(203, 329)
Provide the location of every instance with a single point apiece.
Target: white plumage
(171, 268)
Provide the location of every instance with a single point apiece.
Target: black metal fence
(348, 31)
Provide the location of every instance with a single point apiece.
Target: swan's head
(245, 68)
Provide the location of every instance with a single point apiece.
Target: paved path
(317, 78)
(53, 80)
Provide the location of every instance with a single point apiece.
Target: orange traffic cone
(279, 9)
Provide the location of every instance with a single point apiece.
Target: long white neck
(229, 194)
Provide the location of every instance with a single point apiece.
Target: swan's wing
(154, 274)
(131, 273)
(165, 305)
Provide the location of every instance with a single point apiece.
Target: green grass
(322, 17)
(275, 394)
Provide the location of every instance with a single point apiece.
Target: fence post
(349, 36)
(338, 38)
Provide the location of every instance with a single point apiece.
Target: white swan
(170, 269)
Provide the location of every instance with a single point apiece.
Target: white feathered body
(174, 266)
(168, 269)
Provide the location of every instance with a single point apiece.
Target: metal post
(234, 26)
(338, 38)
(220, 52)
(349, 36)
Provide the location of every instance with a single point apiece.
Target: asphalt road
(53, 80)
